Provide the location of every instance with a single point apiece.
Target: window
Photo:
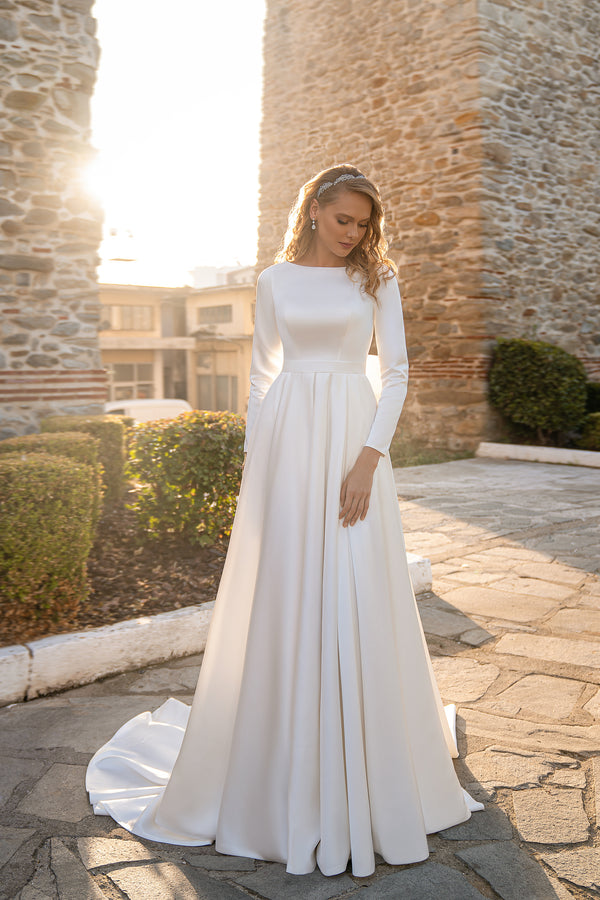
(131, 318)
(209, 315)
(218, 392)
(131, 381)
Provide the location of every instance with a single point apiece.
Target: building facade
(479, 119)
(178, 342)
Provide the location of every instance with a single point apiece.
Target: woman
(317, 732)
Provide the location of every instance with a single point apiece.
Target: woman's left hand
(356, 487)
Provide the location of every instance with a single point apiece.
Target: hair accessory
(314, 225)
(327, 184)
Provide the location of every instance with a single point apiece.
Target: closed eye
(361, 224)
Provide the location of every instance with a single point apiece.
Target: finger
(343, 492)
(355, 516)
(352, 511)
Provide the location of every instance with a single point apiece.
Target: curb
(526, 453)
(69, 660)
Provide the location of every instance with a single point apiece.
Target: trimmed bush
(538, 386)
(189, 472)
(110, 431)
(593, 397)
(46, 533)
(74, 445)
(590, 436)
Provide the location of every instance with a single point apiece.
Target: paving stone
(582, 621)
(274, 883)
(475, 636)
(219, 862)
(574, 777)
(593, 705)
(510, 871)
(42, 886)
(167, 881)
(471, 577)
(511, 606)
(551, 815)
(523, 733)
(157, 680)
(420, 882)
(80, 723)
(544, 694)
(96, 852)
(60, 794)
(580, 867)
(537, 588)
(11, 839)
(460, 678)
(596, 777)
(553, 572)
(490, 824)
(442, 623)
(13, 771)
(71, 878)
(564, 650)
(498, 767)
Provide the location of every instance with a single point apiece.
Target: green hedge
(188, 471)
(593, 396)
(74, 445)
(590, 435)
(110, 432)
(46, 534)
(539, 387)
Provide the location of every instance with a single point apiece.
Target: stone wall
(409, 92)
(540, 71)
(49, 230)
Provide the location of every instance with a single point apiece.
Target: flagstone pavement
(513, 627)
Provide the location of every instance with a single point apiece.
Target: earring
(314, 225)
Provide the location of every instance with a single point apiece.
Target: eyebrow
(348, 216)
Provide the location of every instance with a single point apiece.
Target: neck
(321, 257)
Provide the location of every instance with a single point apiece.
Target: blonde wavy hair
(369, 257)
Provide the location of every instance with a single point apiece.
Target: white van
(147, 410)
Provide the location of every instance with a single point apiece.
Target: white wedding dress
(317, 731)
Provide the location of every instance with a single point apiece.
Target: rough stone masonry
(480, 120)
(49, 229)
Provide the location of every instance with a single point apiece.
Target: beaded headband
(327, 184)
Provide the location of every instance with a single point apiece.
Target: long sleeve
(393, 363)
(267, 352)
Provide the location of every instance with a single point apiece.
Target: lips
(346, 246)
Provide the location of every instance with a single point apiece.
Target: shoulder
(268, 273)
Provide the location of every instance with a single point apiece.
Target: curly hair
(369, 257)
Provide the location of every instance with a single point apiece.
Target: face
(341, 225)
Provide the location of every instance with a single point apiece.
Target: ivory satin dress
(317, 732)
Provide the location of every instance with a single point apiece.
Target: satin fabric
(317, 732)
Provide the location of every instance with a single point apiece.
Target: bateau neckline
(319, 268)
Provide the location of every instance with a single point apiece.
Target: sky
(175, 122)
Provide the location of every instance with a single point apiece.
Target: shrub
(593, 397)
(189, 472)
(538, 386)
(80, 447)
(110, 431)
(46, 533)
(590, 436)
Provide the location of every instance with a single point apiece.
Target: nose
(352, 230)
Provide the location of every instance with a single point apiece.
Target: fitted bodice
(323, 318)
(317, 320)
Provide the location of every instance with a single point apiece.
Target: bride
(317, 732)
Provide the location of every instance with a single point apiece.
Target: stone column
(49, 228)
